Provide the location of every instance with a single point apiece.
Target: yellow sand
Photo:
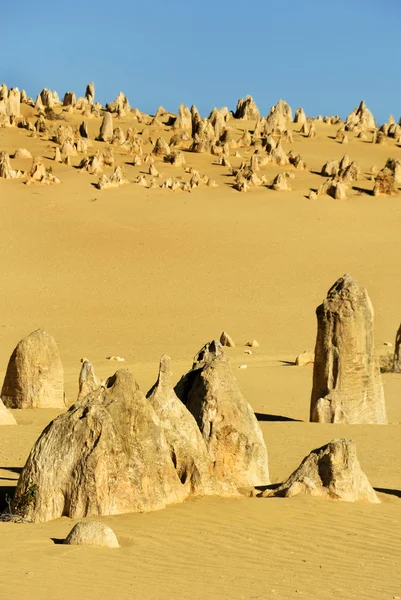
(135, 272)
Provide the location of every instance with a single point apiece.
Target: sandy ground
(135, 273)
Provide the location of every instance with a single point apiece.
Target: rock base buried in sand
(92, 533)
(6, 417)
(332, 472)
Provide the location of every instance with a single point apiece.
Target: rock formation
(6, 171)
(226, 340)
(34, 377)
(92, 533)
(360, 118)
(227, 422)
(347, 386)
(247, 109)
(39, 174)
(305, 358)
(385, 183)
(120, 105)
(88, 382)
(90, 93)
(6, 417)
(106, 128)
(281, 183)
(184, 118)
(333, 472)
(13, 102)
(106, 455)
(300, 116)
(187, 446)
(116, 179)
(161, 147)
(69, 99)
(22, 153)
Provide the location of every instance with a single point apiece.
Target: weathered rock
(6, 171)
(226, 340)
(88, 382)
(116, 179)
(247, 109)
(48, 98)
(34, 377)
(39, 174)
(385, 183)
(227, 422)
(6, 417)
(184, 118)
(330, 168)
(300, 116)
(91, 164)
(360, 118)
(92, 533)
(69, 99)
(120, 105)
(22, 153)
(90, 93)
(161, 148)
(347, 386)
(106, 455)
(281, 183)
(106, 128)
(204, 135)
(187, 446)
(333, 472)
(13, 103)
(305, 358)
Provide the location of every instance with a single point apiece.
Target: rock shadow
(263, 417)
(389, 491)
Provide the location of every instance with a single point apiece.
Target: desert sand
(135, 272)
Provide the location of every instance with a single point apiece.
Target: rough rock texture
(360, 118)
(161, 147)
(13, 103)
(397, 352)
(39, 174)
(6, 417)
(6, 171)
(106, 455)
(88, 382)
(106, 128)
(184, 118)
(34, 377)
(347, 386)
(92, 533)
(116, 179)
(90, 93)
(227, 340)
(187, 446)
(305, 358)
(120, 105)
(332, 471)
(300, 116)
(69, 99)
(227, 422)
(247, 109)
(22, 153)
(385, 183)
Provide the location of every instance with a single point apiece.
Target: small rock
(253, 344)
(116, 358)
(305, 358)
(226, 340)
(243, 367)
(248, 351)
(92, 533)
(387, 344)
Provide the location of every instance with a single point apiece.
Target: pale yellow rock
(92, 533)
(305, 358)
(347, 386)
(6, 416)
(35, 376)
(332, 472)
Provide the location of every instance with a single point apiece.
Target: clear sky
(323, 55)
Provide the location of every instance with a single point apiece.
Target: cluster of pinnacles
(116, 450)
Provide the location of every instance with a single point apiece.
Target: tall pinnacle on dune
(347, 387)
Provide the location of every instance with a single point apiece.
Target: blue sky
(322, 55)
